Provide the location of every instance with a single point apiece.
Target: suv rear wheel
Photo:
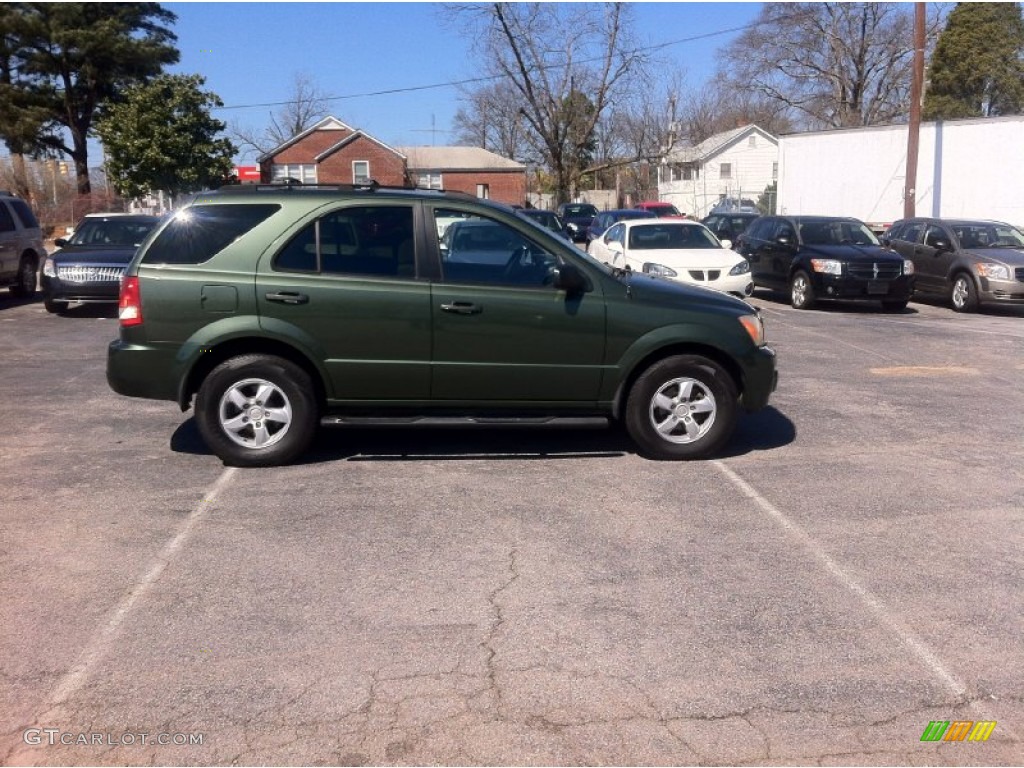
(256, 411)
(682, 407)
(26, 285)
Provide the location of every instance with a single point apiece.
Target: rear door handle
(462, 308)
(288, 297)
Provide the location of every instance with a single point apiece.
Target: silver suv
(21, 246)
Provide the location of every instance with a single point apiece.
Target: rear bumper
(139, 370)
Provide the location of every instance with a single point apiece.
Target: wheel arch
(248, 345)
(682, 348)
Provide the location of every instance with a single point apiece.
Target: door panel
(516, 344)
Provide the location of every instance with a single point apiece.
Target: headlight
(908, 267)
(993, 271)
(48, 268)
(659, 269)
(754, 327)
(740, 269)
(828, 266)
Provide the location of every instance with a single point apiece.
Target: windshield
(101, 232)
(836, 232)
(580, 210)
(988, 236)
(655, 237)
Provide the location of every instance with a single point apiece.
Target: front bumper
(760, 378)
(1001, 291)
(854, 289)
(57, 289)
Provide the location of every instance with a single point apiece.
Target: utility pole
(916, 97)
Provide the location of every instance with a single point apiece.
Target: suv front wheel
(256, 411)
(682, 407)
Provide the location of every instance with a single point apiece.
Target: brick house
(332, 152)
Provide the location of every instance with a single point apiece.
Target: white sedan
(681, 250)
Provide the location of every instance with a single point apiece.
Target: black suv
(281, 308)
(577, 217)
(825, 257)
(21, 246)
(970, 261)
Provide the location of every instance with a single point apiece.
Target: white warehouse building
(966, 169)
(739, 163)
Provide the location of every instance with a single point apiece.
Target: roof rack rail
(372, 186)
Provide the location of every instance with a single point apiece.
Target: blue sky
(250, 52)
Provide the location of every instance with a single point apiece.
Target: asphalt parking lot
(848, 571)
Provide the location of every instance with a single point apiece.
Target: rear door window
(198, 233)
(24, 213)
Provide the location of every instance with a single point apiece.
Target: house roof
(352, 137)
(713, 145)
(327, 124)
(457, 159)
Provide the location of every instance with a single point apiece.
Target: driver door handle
(288, 297)
(462, 308)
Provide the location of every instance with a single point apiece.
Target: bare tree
(828, 64)
(718, 106)
(491, 118)
(306, 104)
(563, 62)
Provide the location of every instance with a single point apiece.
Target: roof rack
(372, 186)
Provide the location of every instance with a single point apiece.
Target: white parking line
(100, 645)
(917, 647)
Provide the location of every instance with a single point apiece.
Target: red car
(661, 210)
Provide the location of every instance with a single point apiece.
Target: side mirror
(941, 244)
(568, 277)
(784, 240)
(60, 242)
(727, 244)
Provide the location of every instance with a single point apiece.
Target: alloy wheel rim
(255, 413)
(959, 293)
(799, 291)
(683, 410)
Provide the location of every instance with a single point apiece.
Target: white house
(736, 164)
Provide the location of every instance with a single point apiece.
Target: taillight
(129, 303)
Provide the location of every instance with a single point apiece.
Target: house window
(752, 142)
(429, 180)
(301, 172)
(689, 172)
(483, 191)
(725, 171)
(360, 171)
(775, 171)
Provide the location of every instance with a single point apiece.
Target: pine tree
(977, 69)
(62, 63)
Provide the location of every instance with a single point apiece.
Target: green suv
(281, 308)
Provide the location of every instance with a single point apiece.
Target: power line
(473, 80)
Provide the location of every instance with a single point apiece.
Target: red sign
(247, 173)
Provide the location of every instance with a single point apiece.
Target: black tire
(696, 435)
(894, 306)
(26, 286)
(264, 438)
(801, 291)
(55, 307)
(963, 294)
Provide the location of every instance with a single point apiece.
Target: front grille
(84, 273)
(878, 270)
(1019, 272)
(702, 275)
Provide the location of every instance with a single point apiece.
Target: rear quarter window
(24, 214)
(198, 233)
